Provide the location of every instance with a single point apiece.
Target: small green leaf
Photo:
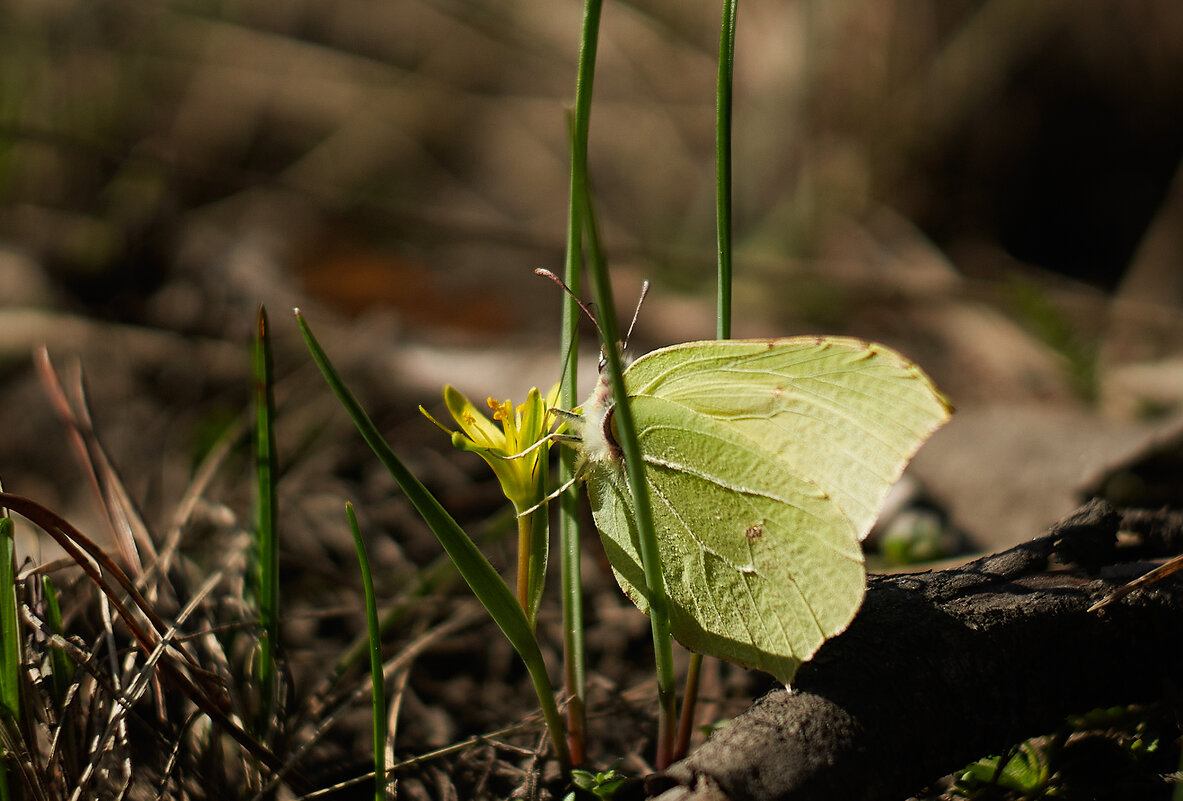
(603, 784)
(1024, 771)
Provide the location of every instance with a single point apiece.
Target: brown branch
(945, 667)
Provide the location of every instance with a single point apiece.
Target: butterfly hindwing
(760, 566)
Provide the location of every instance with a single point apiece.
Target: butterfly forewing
(844, 414)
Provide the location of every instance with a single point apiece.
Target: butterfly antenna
(636, 312)
(585, 308)
(545, 273)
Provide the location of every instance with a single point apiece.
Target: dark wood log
(941, 668)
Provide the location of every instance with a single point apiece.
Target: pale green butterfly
(767, 463)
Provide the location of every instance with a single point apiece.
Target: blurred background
(991, 186)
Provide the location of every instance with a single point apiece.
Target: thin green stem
(574, 656)
(377, 681)
(62, 666)
(659, 614)
(432, 579)
(525, 540)
(60, 662)
(10, 641)
(266, 544)
(10, 637)
(723, 164)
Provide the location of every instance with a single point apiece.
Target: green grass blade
(723, 165)
(436, 577)
(59, 660)
(574, 655)
(266, 544)
(659, 613)
(375, 638)
(481, 577)
(10, 633)
(10, 639)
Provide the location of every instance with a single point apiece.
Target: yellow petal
(472, 422)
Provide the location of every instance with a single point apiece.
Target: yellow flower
(522, 429)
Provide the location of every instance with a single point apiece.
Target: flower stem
(525, 542)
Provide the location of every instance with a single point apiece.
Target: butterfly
(767, 461)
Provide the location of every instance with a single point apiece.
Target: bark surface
(941, 668)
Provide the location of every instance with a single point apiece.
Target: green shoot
(723, 165)
(602, 784)
(10, 635)
(659, 613)
(574, 656)
(1024, 770)
(435, 577)
(376, 678)
(60, 662)
(481, 577)
(267, 547)
(10, 640)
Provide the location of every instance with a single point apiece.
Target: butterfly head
(599, 439)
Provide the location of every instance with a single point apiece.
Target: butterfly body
(766, 462)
